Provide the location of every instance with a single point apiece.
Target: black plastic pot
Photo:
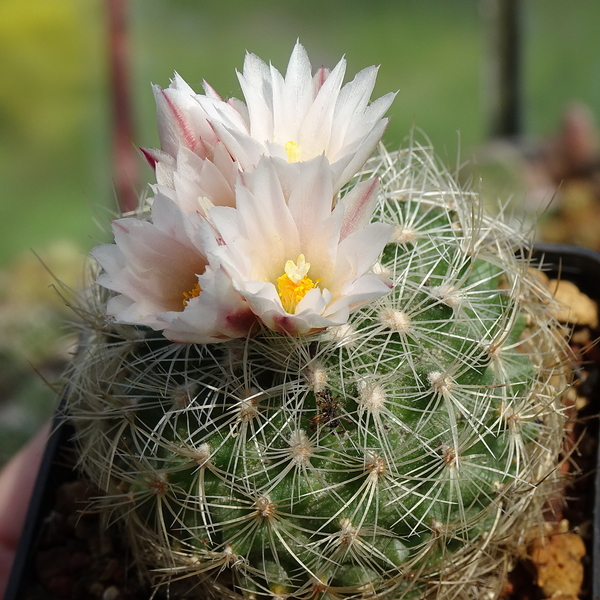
(579, 265)
(55, 469)
(582, 267)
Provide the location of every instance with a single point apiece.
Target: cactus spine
(401, 455)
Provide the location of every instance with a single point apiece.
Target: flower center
(193, 293)
(293, 285)
(293, 151)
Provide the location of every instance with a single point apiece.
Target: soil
(557, 562)
(78, 558)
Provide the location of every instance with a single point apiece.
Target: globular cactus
(401, 453)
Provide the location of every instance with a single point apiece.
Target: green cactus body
(402, 454)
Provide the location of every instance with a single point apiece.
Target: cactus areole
(309, 371)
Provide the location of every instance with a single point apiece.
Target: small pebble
(111, 593)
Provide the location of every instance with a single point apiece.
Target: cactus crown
(398, 453)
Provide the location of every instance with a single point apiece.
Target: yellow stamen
(193, 293)
(293, 285)
(293, 151)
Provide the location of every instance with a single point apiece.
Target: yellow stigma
(293, 151)
(293, 285)
(187, 296)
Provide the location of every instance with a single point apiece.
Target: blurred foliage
(562, 60)
(44, 55)
(35, 343)
(52, 122)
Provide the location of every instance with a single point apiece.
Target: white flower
(300, 265)
(295, 118)
(163, 279)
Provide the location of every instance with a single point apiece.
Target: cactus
(402, 453)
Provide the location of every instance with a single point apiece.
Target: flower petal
(218, 314)
(358, 206)
(181, 120)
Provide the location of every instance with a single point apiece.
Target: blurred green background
(55, 179)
